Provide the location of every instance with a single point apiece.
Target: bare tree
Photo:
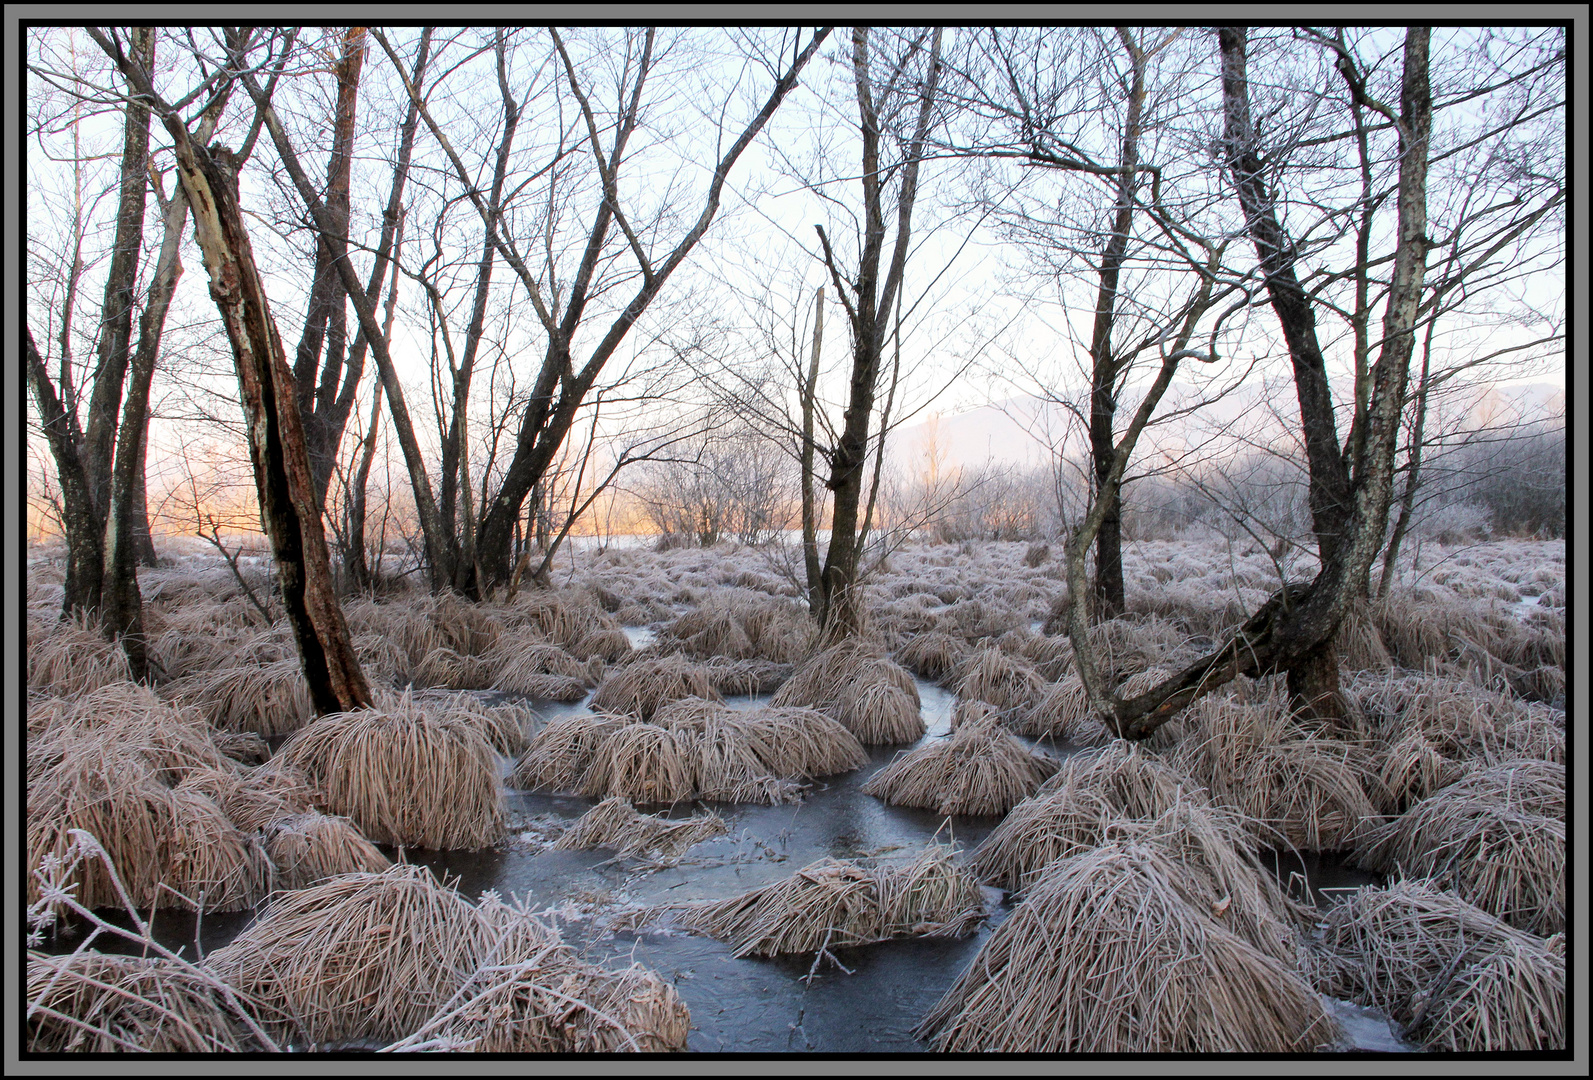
(277, 447)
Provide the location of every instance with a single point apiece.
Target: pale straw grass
(639, 688)
(932, 654)
(642, 762)
(872, 697)
(74, 658)
(1107, 955)
(271, 699)
(1457, 978)
(404, 776)
(310, 847)
(615, 823)
(365, 956)
(834, 903)
(1496, 838)
(562, 751)
(977, 769)
(1009, 683)
(98, 1003)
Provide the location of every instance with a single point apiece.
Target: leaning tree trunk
(288, 507)
(84, 564)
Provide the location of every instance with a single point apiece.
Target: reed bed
(1457, 978)
(309, 847)
(99, 1003)
(977, 769)
(1107, 955)
(1010, 684)
(615, 823)
(404, 777)
(1495, 838)
(269, 699)
(639, 688)
(74, 658)
(834, 903)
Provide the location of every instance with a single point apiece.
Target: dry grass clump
(443, 667)
(271, 699)
(404, 776)
(1062, 709)
(572, 619)
(502, 725)
(873, 698)
(989, 674)
(99, 1003)
(73, 658)
(746, 677)
(977, 769)
(615, 823)
(742, 626)
(522, 663)
(383, 659)
(531, 994)
(1052, 657)
(213, 864)
(1111, 952)
(107, 764)
(640, 687)
(1496, 838)
(358, 957)
(834, 902)
(563, 750)
(310, 847)
(933, 654)
(643, 762)
(1455, 977)
(1315, 794)
(695, 749)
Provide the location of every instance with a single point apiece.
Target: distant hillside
(1021, 431)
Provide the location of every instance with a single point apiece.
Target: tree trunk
(84, 562)
(283, 480)
(114, 351)
(123, 607)
(810, 511)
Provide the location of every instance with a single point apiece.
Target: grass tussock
(270, 699)
(444, 668)
(563, 750)
(1455, 977)
(1009, 683)
(1316, 794)
(741, 625)
(98, 1003)
(1111, 952)
(362, 956)
(833, 903)
(615, 823)
(639, 688)
(310, 847)
(377, 957)
(1495, 838)
(522, 663)
(871, 696)
(405, 777)
(73, 657)
(977, 769)
(933, 654)
(643, 762)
